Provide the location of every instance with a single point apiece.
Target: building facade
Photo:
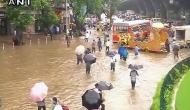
(3, 21)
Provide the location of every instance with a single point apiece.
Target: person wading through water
(133, 75)
(93, 46)
(68, 39)
(99, 45)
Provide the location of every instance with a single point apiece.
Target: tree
(47, 16)
(22, 16)
(95, 7)
(79, 11)
(110, 7)
(19, 18)
(83, 7)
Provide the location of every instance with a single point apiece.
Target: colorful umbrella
(39, 91)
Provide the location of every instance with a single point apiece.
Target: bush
(164, 93)
(156, 98)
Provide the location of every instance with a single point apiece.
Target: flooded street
(55, 64)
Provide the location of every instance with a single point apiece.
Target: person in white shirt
(113, 60)
(86, 36)
(108, 45)
(136, 50)
(56, 105)
(57, 29)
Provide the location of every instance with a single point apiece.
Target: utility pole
(66, 15)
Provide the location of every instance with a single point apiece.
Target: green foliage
(92, 7)
(156, 98)
(47, 16)
(77, 9)
(22, 16)
(18, 16)
(58, 2)
(95, 7)
(182, 98)
(164, 92)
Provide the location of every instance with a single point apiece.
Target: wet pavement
(55, 64)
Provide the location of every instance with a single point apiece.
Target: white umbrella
(39, 91)
(80, 49)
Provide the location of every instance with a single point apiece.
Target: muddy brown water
(55, 64)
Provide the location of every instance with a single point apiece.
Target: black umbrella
(103, 85)
(91, 99)
(89, 58)
(135, 67)
(112, 53)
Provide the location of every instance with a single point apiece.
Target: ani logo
(19, 2)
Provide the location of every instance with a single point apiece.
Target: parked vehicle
(148, 36)
(182, 35)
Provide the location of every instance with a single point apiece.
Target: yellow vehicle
(142, 33)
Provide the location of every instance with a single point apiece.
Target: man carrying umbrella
(113, 59)
(92, 99)
(41, 105)
(133, 75)
(38, 93)
(79, 53)
(102, 106)
(89, 59)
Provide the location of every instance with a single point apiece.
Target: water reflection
(55, 64)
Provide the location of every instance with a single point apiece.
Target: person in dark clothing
(93, 46)
(176, 51)
(88, 67)
(99, 45)
(71, 33)
(101, 96)
(41, 105)
(87, 51)
(68, 40)
(133, 75)
(113, 60)
(79, 59)
(167, 45)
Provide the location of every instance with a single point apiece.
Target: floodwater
(55, 64)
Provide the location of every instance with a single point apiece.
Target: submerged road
(55, 64)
